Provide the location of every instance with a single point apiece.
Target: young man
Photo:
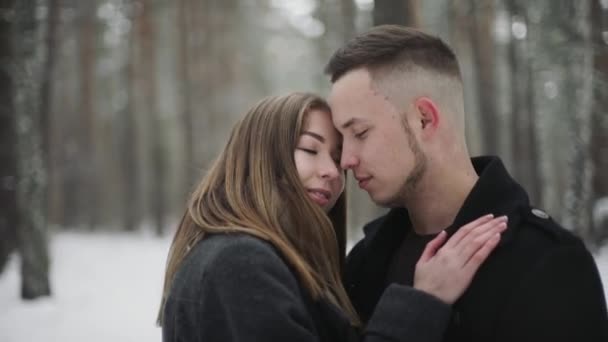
(397, 99)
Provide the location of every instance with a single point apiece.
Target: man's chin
(385, 201)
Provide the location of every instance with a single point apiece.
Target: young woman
(258, 252)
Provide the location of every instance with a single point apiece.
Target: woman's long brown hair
(253, 187)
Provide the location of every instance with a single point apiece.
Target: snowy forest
(111, 110)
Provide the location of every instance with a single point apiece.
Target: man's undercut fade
(390, 48)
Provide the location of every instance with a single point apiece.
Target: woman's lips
(320, 196)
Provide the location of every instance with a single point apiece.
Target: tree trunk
(558, 33)
(46, 98)
(525, 160)
(184, 24)
(349, 12)
(147, 41)
(31, 189)
(599, 121)
(88, 193)
(462, 38)
(399, 12)
(129, 168)
(482, 41)
(579, 73)
(8, 138)
(47, 77)
(503, 85)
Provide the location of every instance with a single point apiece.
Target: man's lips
(363, 181)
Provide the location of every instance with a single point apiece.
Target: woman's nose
(330, 169)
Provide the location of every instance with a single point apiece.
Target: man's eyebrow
(314, 135)
(350, 123)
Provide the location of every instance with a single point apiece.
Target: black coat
(237, 288)
(540, 284)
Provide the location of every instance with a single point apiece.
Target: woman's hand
(446, 270)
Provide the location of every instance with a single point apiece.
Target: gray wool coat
(235, 287)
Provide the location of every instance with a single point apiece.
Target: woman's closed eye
(307, 150)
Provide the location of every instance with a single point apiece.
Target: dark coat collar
(495, 192)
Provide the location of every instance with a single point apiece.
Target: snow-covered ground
(105, 288)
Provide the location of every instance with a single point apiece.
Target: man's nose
(348, 160)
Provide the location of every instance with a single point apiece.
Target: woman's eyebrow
(314, 135)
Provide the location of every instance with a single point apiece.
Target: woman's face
(317, 157)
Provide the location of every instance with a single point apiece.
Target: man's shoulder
(537, 237)
(537, 225)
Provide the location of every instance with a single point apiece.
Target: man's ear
(428, 114)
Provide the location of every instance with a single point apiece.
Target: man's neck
(439, 198)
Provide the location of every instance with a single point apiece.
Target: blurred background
(111, 110)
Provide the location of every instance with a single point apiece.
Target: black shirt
(403, 264)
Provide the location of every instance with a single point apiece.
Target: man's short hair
(392, 47)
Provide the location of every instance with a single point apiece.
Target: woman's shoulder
(232, 246)
(236, 240)
(233, 253)
(219, 260)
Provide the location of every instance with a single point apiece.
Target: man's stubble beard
(408, 188)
